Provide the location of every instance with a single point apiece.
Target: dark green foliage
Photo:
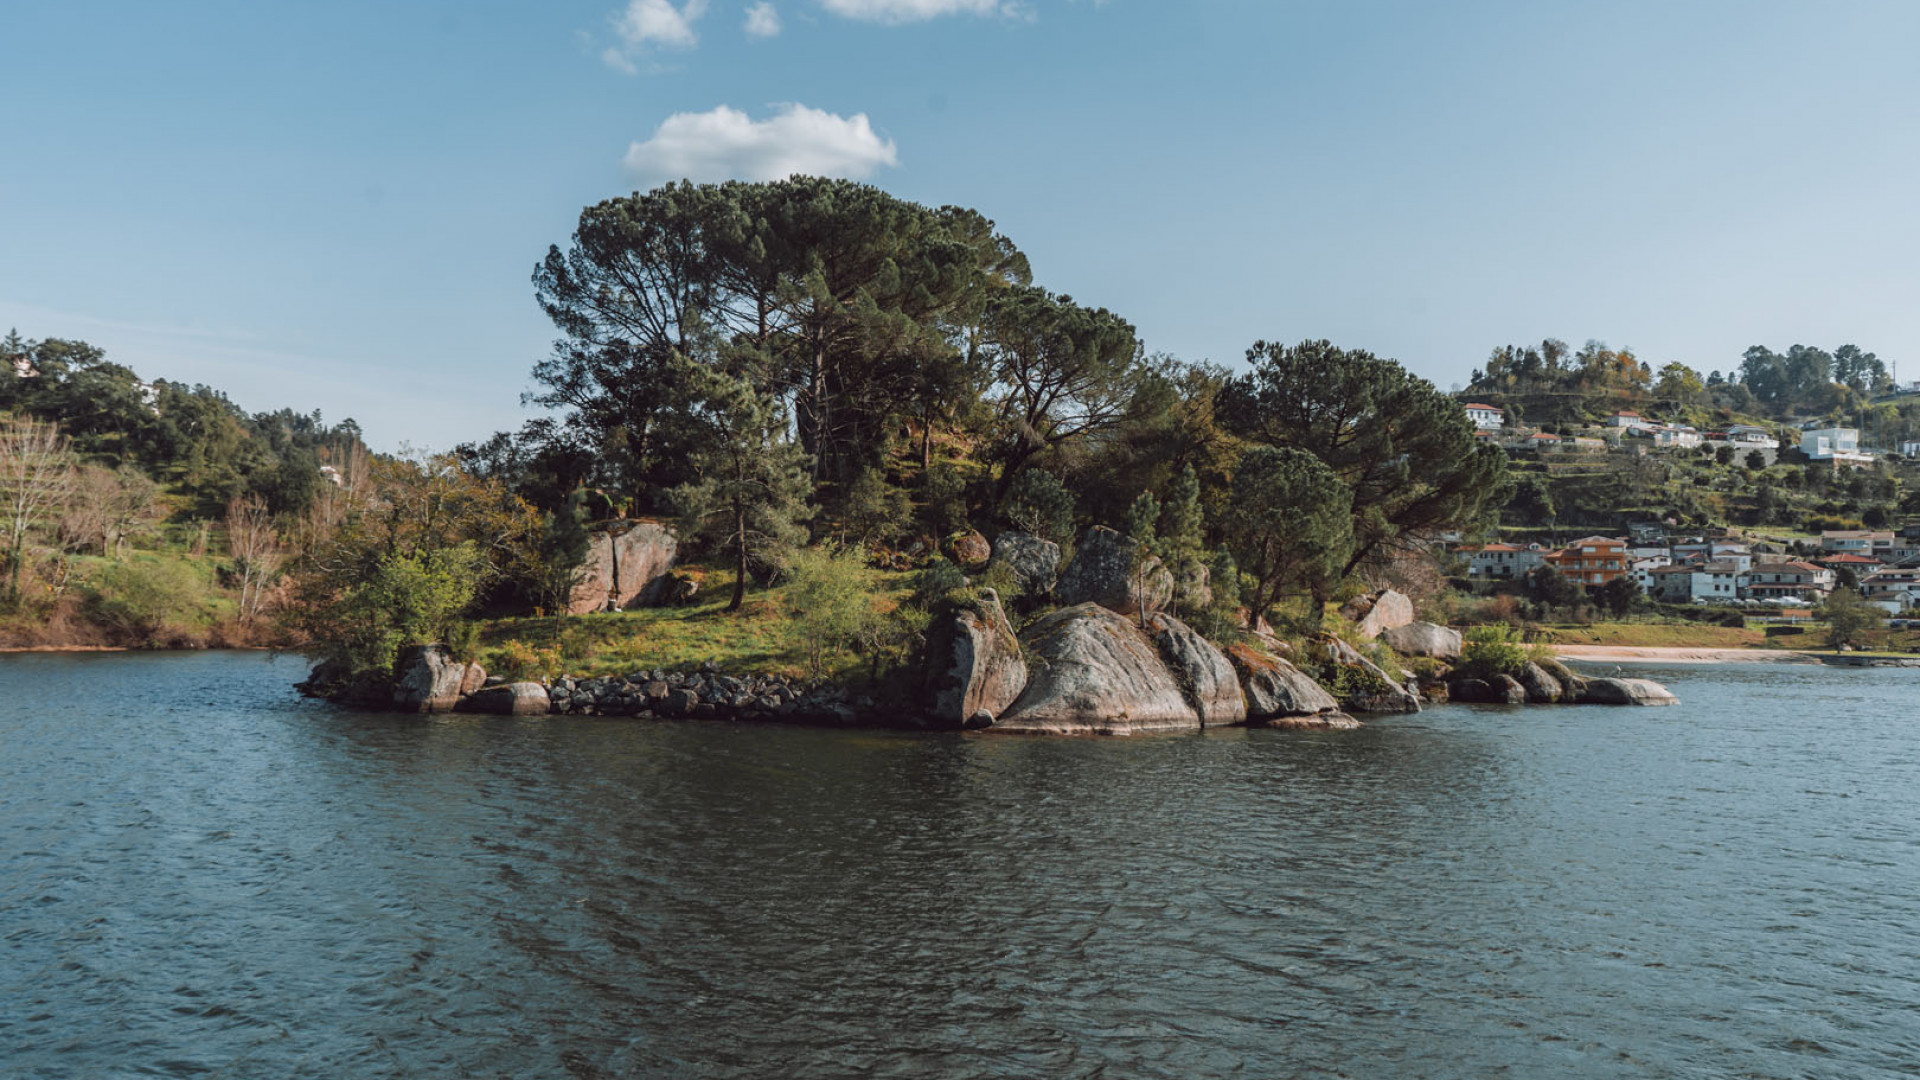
(1064, 372)
(845, 304)
(1616, 597)
(1549, 587)
(943, 490)
(558, 552)
(1405, 452)
(750, 496)
(191, 437)
(874, 511)
(1850, 619)
(1039, 504)
(1290, 524)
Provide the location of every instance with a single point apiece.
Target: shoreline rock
(974, 670)
(1096, 673)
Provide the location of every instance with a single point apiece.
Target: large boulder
(1572, 684)
(1362, 686)
(1033, 562)
(1627, 692)
(427, 679)
(509, 699)
(1096, 673)
(627, 563)
(1541, 687)
(974, 669)
(1281, 695)
(1499, 690)
(970, 550)
(1375, 614)
(1424, 639)
(1205, 675)
(1102, 572)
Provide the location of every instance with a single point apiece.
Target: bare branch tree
(256, 551)
(36, 483)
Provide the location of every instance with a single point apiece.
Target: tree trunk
(739, 562)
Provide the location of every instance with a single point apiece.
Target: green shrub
(149, 601)
(1494, 650)
(518, 661)
(830, 597)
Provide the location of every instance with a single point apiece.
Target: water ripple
(204, 876)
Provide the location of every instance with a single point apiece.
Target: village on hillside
(1709, 563)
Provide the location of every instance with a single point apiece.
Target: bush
(830, 598)
(406, 600)
(1492, 651)
(938, 583)
(149, 602)
(1037, 503)
(518, 661)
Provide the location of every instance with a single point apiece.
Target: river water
(201, 875)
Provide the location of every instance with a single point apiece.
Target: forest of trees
(101, 473)
(809, 359)
(1552, 384)
(783, 369)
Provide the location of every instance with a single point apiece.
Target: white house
(1676, 437)
(1643, 569)
(1486, 417)
(1910, 449)
(1838, 445)
(1713, 582)
(1749, 435)
(1503, 561)
(1627, 419)
(1777, 580)
(1857, 541)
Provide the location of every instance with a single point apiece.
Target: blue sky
(338, 206)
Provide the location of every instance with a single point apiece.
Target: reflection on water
(205, 876)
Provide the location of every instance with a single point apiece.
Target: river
(202, 875)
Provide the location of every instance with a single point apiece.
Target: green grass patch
(764, 637)
(1657, 635)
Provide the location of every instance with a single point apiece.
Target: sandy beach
(1670, 654)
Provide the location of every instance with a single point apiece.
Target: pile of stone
(708, 694)
(431, 681)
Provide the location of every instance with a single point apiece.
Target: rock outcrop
(1033, 562)
(974, 669)
(627, 563)
(509, 699)
(1424, 639)
(1363, 686)
(1205, 676)
(1499, 690)
(1572, 685)
(1626, 692)
(1375, 614)
(428, 679)
(1102, 572)
(1541, 688)
(1281, 695)
(1096, 673)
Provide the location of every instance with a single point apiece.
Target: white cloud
(904, 11)
(726, 144)
(763, 21)
(653, 24)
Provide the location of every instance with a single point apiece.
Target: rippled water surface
(201, 875)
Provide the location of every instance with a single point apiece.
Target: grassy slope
(763, 637)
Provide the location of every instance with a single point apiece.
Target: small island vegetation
(854, 416)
